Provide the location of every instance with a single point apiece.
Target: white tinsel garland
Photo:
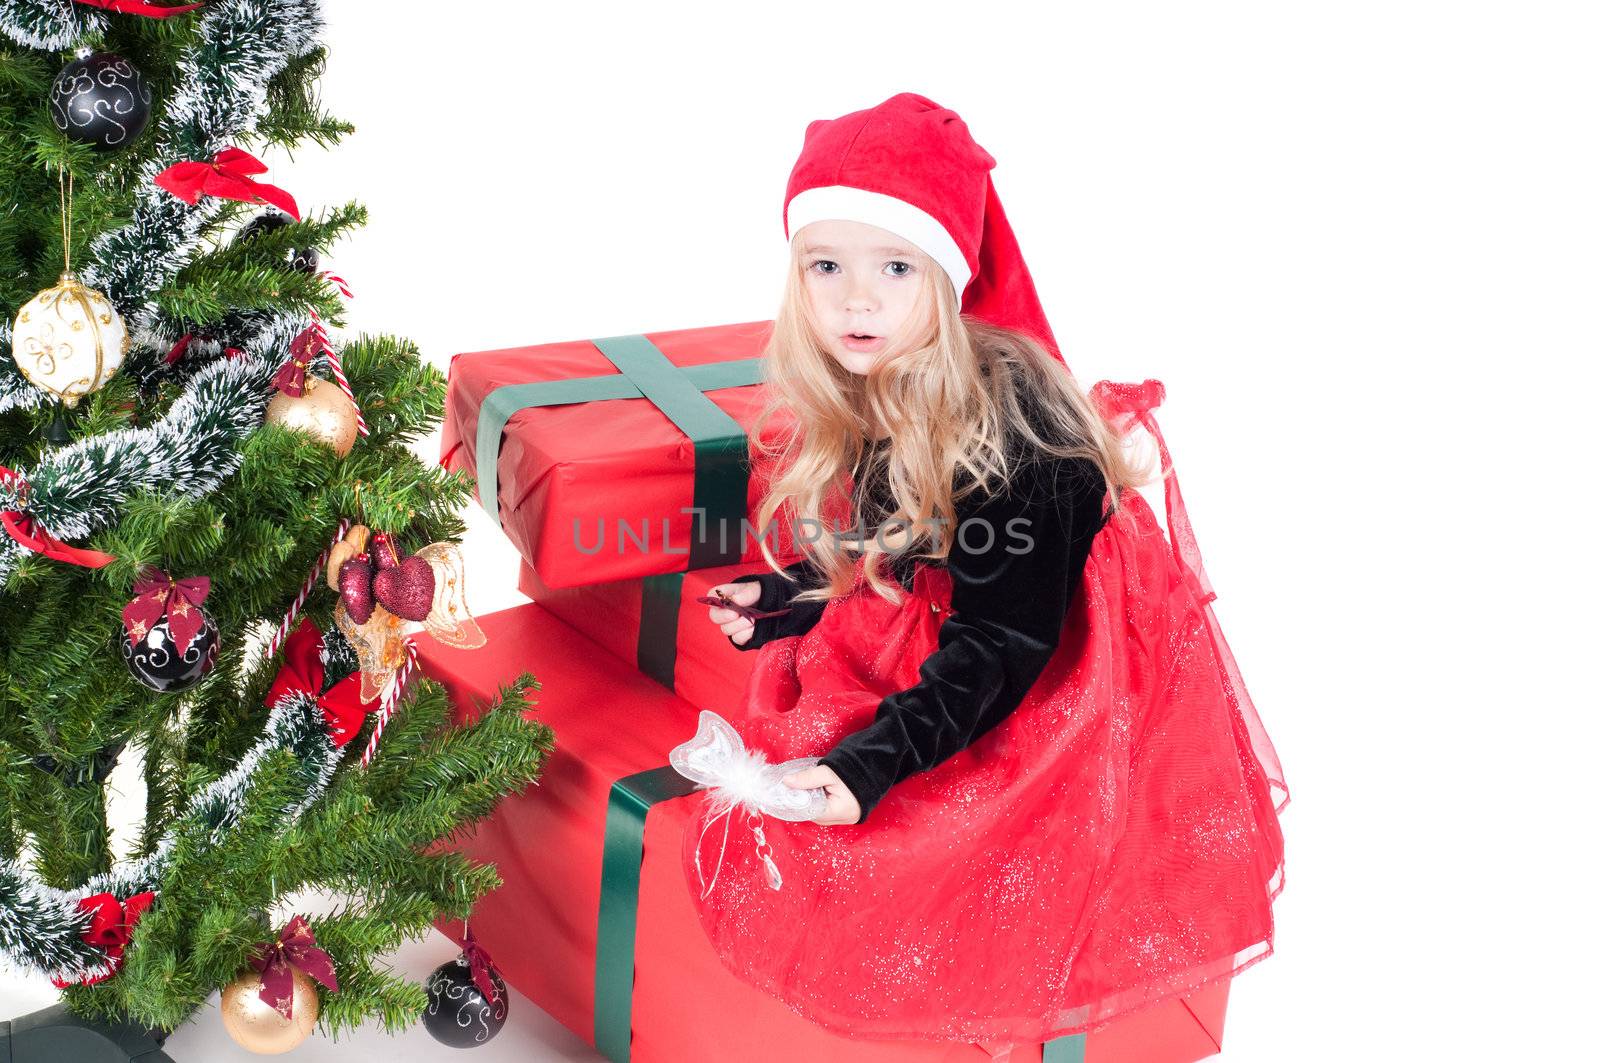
(80, 488)
(49, 25)
(41, 927)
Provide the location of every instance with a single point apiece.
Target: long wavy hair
(948, 398)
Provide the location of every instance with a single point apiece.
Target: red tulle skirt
(1111, 843)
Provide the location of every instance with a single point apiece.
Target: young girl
(1049, 799)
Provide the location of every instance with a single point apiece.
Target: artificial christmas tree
(153, 480)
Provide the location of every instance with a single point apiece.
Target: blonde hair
(948, 398)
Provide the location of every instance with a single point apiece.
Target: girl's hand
(843, 808)
(736, 627)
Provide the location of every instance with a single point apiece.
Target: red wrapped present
(616, 458)
(594, 921)
(656, 625)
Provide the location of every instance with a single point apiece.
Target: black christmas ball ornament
(100, 99)
(458, 1014)
(304, 259)
(155, 661)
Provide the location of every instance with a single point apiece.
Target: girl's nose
(860, 299)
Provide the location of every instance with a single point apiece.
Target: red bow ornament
(110, 928)
(478, 960)
(291, 376)
(178, 600)
(296, 947)
(178, 348)
(302, 673)
(27, 531)
(228, 176)
(141, 7)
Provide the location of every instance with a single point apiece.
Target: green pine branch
(206, 297)
(295, 114)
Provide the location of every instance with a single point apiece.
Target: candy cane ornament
(391, 698)
(338, 282)
(325, 346)
(305, 591)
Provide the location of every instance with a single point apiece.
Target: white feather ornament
(716, 759)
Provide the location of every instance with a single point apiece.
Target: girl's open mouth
(861, 343)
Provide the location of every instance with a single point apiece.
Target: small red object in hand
(749, 613)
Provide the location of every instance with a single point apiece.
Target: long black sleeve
(776, 593)
(1007, 609)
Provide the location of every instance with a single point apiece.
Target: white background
(1357, 242)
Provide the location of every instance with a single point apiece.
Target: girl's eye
(821, 262)
(905, 272)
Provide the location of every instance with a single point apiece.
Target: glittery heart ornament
(406, 590)
(355, 587)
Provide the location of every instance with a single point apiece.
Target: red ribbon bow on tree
(178, 600)
(291, 376)
(141, 7)
(110, 928)
(178, 348)
(296, 947)
(25, 530)
(302, 673)
(227, 177)
(478, 960)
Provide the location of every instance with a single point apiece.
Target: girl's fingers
(842, 807)
(731, 622)
(810, 778)
(746, 593)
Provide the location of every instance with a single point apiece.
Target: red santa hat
(911, 167)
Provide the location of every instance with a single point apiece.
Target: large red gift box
(595, 909)
(620, 457)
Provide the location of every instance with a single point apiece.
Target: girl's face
(862, 284)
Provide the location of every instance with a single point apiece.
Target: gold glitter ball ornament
(323, 413)
(261, 1028)
(69, 340)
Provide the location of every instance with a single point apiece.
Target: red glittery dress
(1112, 842)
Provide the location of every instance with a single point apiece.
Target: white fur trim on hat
(905, 220)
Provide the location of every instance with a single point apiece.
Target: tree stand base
(55, 1035)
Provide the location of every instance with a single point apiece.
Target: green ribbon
(1073, 1048)
(657, 648)
(721, 449)
(631, 798)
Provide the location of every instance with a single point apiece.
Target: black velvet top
(1007, 609)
